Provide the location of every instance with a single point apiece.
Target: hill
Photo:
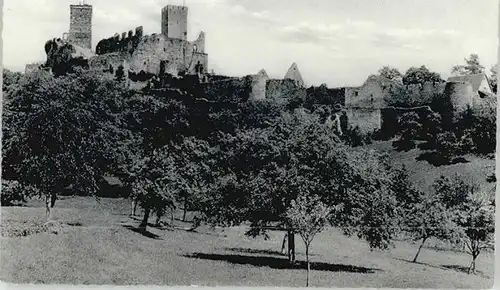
(423, 173)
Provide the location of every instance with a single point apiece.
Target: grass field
(97, 244)
(423, 174)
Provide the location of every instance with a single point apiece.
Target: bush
(13, 193)
(353, 136)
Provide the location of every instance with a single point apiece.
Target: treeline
(232, 163)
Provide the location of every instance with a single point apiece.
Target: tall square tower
(174, 22)
(80, 25)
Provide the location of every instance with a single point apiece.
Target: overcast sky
(338, 42)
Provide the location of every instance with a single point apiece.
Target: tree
(307, 216)
(390, 73)
(479, 227)
(472, 66)
(430, 218)
(262, 170)
(447, 145)
(473, 213)
(11, 82)
(13, 193)
(194, 163)
(410, 130)
(421, 75)
(65, 132)
(154, 184)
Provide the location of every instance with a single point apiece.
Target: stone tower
(293, 73)
(174, 22)
(460, 95)
(80, 25)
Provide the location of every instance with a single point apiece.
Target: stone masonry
(80, 26)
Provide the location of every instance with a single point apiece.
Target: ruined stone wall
(198, 45)
(126, 42)
(174, 22)
(32, 67)
(61, 55)
(156, 53)
(80, 27)
(367, 119)
(198, 63)
(282, 90)
(110, 60)
(372, 94)
(196, 58)
(156, 50)
(258, 86)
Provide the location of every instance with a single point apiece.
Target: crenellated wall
(145, 55)
(127, 42)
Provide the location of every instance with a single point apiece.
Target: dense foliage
(265, 164)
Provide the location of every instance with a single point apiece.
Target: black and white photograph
(249, 143)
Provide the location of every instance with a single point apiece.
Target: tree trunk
(291, 246)
(472, 267)
(144, 222)
(158, 218)
(48, 212)
(419, 248)
(172, 216)
(134, 206)
(283, 244)
(185, 209)
(308, 265)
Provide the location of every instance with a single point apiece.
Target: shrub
(12, 193)
(353, 136)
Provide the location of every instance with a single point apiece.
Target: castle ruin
(170, 53)
(167, 53)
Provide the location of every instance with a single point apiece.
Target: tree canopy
(420, 75)
(472, 66)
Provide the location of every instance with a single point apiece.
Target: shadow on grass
(402, 146)
(255, 251)
(436, 159)
(162, 226)
(457, 268)
(465, 270)
(281, 263)
(259, 251)
(420, 263)
(427, 146)
(75, 224)
(145, 233)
